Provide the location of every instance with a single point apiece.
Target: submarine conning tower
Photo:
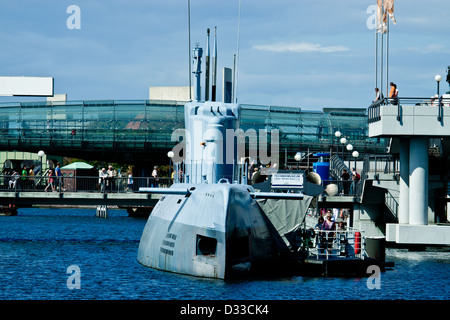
(211, 146)
(210, 128)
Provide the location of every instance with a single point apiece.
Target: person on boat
(341, 226)
(319, 223)
(328, 226)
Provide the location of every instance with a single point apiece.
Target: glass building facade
(138, 128)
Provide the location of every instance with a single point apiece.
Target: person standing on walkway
(345, 181)
(50, 181)
(130, 181)
(111, 178)
(102, 177)
(393, 94)
(58, 179)
(31, 175)
(355, 177)
(155, 177)
(23, 179)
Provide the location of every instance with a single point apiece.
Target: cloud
(300, 47)
(431, 48)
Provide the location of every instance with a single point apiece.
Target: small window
(206, 246)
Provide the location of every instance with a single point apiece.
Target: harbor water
(70, 254)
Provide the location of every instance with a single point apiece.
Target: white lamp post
(355, 155)
(41, 154)
(297, 158)
(349, 148)
(170, 154)
(343, 141)
(337, 134)
(438, 79)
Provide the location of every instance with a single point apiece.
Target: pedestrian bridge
(133, 131)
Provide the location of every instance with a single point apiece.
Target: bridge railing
(374, 110)
(17, 183)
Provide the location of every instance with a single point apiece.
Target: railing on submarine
(332, 244)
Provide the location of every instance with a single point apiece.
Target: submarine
(214, 222)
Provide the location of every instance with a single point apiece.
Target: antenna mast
(207, 68)
(237, 60)
(189, 31)
(214, 67)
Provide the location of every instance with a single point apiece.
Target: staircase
(337, 167)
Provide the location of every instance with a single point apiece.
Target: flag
(389, 8)
(384, 22)
(379, 16)
(384, 9)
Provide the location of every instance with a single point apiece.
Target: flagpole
(376, 56)
(189, 39)
(381, 62)
(387, 56)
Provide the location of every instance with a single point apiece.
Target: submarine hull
(217, 231)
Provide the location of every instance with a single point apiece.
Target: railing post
(439, 118)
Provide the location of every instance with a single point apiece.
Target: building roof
(77, 165)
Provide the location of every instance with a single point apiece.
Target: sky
(310, 54)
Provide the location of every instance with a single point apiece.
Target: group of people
(54, 179)
(26, 179)
(327, 223)
(23, 180)
(393, 94)
(107, 179)
(350, 188)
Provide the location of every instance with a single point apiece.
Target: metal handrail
(342, 244)
(80, 183)
(391, 204)
(374, 110)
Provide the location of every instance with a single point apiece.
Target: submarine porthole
(206, 246)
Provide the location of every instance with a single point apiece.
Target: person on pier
(393, 94)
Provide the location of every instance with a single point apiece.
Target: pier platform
(406, 234)
(26, 198)
(419, 132)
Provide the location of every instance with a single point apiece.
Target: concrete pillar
(418, 181)
(403, 205)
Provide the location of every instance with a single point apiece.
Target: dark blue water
(38, 245)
